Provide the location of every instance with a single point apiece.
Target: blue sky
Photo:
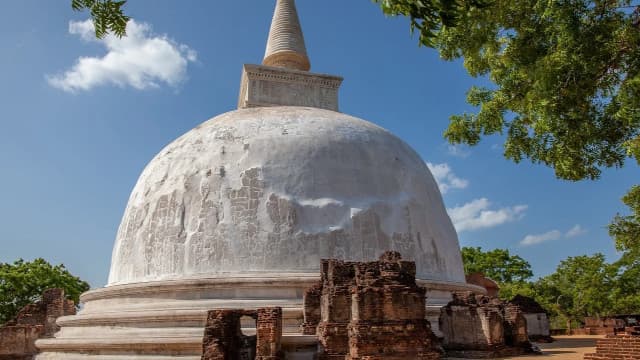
(75, 134)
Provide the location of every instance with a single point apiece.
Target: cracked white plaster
(276, 189)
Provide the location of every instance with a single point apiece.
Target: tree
(430, 17)
(626, 229)
(581, 286)
(497, 265)
(22, 283)
(566, 75)
(107, 15)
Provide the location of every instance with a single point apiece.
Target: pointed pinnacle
(285, 47)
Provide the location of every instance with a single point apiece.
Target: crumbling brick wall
(18, 336)
(515, 326)
(311, 309)
(336, 278)
(617, 347)
(269, 334)
(538, 327)
(224, 340)
(601, 326)
(372, 310)
(478, 326)
(471, 322)
(492, 287)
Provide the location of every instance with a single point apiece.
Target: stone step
(159, 347)
(127, 332)
(173, 304)
(196, 317)
(72, 356)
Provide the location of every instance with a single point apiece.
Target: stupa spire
(285, 47)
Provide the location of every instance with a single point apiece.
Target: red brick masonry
(478, 326)
(618, 347)
(223, 338)
(18, 336)
(370, 311)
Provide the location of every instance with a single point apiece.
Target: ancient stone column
(269, 334)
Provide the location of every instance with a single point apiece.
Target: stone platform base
(165, 319)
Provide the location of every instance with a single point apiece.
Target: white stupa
(238, 212)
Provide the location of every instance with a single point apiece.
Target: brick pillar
(55, 302)
(515, 327)
(335, 304)
(269, 334)
(223, 338)
(69, 308)
(311, 309)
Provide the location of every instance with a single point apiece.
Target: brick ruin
(538, 327)
(478, 326)
(34, 321)
(492, 287)
(603, 325)
(311, 309)
(515, 327)
(369, 310)
(624, 345)
(372, 311)
(224, 340)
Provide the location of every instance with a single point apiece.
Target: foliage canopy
(626, 229)
(429, 17)
(22, 283)
(107, 15)
(566, 75)
(497, 264)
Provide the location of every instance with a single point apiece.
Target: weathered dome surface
(274, 190)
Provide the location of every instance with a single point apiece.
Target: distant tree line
(582, 286)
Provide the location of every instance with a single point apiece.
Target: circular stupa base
(166, 319)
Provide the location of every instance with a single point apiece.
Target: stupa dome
(274, 190)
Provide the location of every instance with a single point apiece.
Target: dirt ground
(565, 348)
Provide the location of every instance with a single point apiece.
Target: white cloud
(577, 230)
(478, 214)
(141, 60)
(552, 235)
(445, 178)
(540, 238)
(458, 151)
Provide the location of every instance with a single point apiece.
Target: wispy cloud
(141, 60)
(553, 235)
(577, 230)
(540, 238)
(478, 214)
(445, 178)
(458, 151)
